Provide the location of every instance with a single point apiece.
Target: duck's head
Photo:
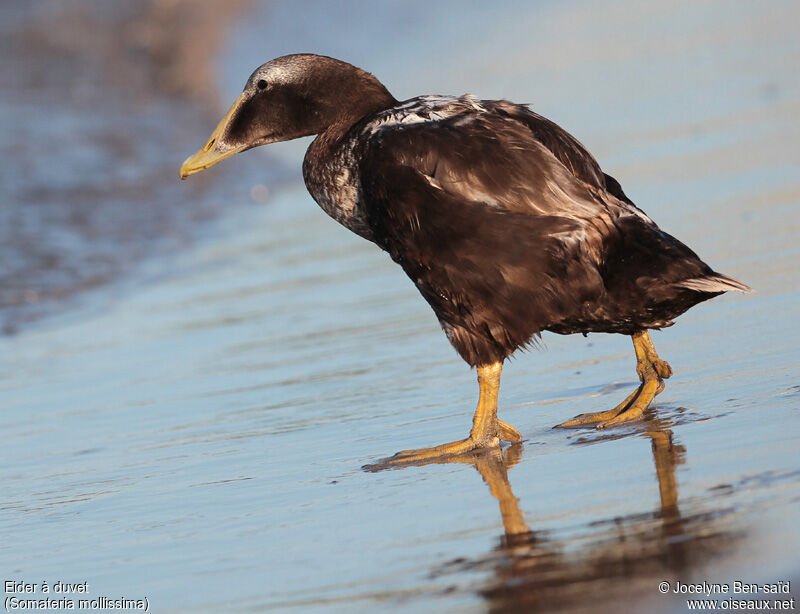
(289, 97)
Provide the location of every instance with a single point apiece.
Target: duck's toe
(600, 417)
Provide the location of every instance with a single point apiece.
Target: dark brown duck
(504, 222)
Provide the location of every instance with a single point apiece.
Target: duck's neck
(369, 97)
(329, 168)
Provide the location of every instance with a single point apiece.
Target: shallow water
(197, 438)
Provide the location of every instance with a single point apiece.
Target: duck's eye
(261, 84)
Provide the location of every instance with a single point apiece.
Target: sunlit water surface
(198, 439)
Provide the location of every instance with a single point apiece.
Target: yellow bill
(214, 150)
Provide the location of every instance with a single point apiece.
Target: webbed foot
(652, 372)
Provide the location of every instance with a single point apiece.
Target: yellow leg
(652, 372)
(487, 431)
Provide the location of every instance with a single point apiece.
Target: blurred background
(193, 373)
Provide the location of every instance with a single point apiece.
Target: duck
(503, 221)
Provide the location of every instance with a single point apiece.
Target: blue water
(197, 438)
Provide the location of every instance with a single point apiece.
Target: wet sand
(100, 101)
(198, 437)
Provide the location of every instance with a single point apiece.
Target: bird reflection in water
(623, 559)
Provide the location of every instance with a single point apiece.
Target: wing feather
(507, 226)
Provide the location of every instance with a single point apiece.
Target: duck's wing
(503, 240)
(483, 220)
(666, 251)
(565, 148)
(495, 153)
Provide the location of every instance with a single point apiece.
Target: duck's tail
(714, 282)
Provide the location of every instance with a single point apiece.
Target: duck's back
(508, 226)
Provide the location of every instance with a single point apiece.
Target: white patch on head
(278, 71)
(285, 69)
(276, 74)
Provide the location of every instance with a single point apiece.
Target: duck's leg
(652, 372)
(487, 430)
